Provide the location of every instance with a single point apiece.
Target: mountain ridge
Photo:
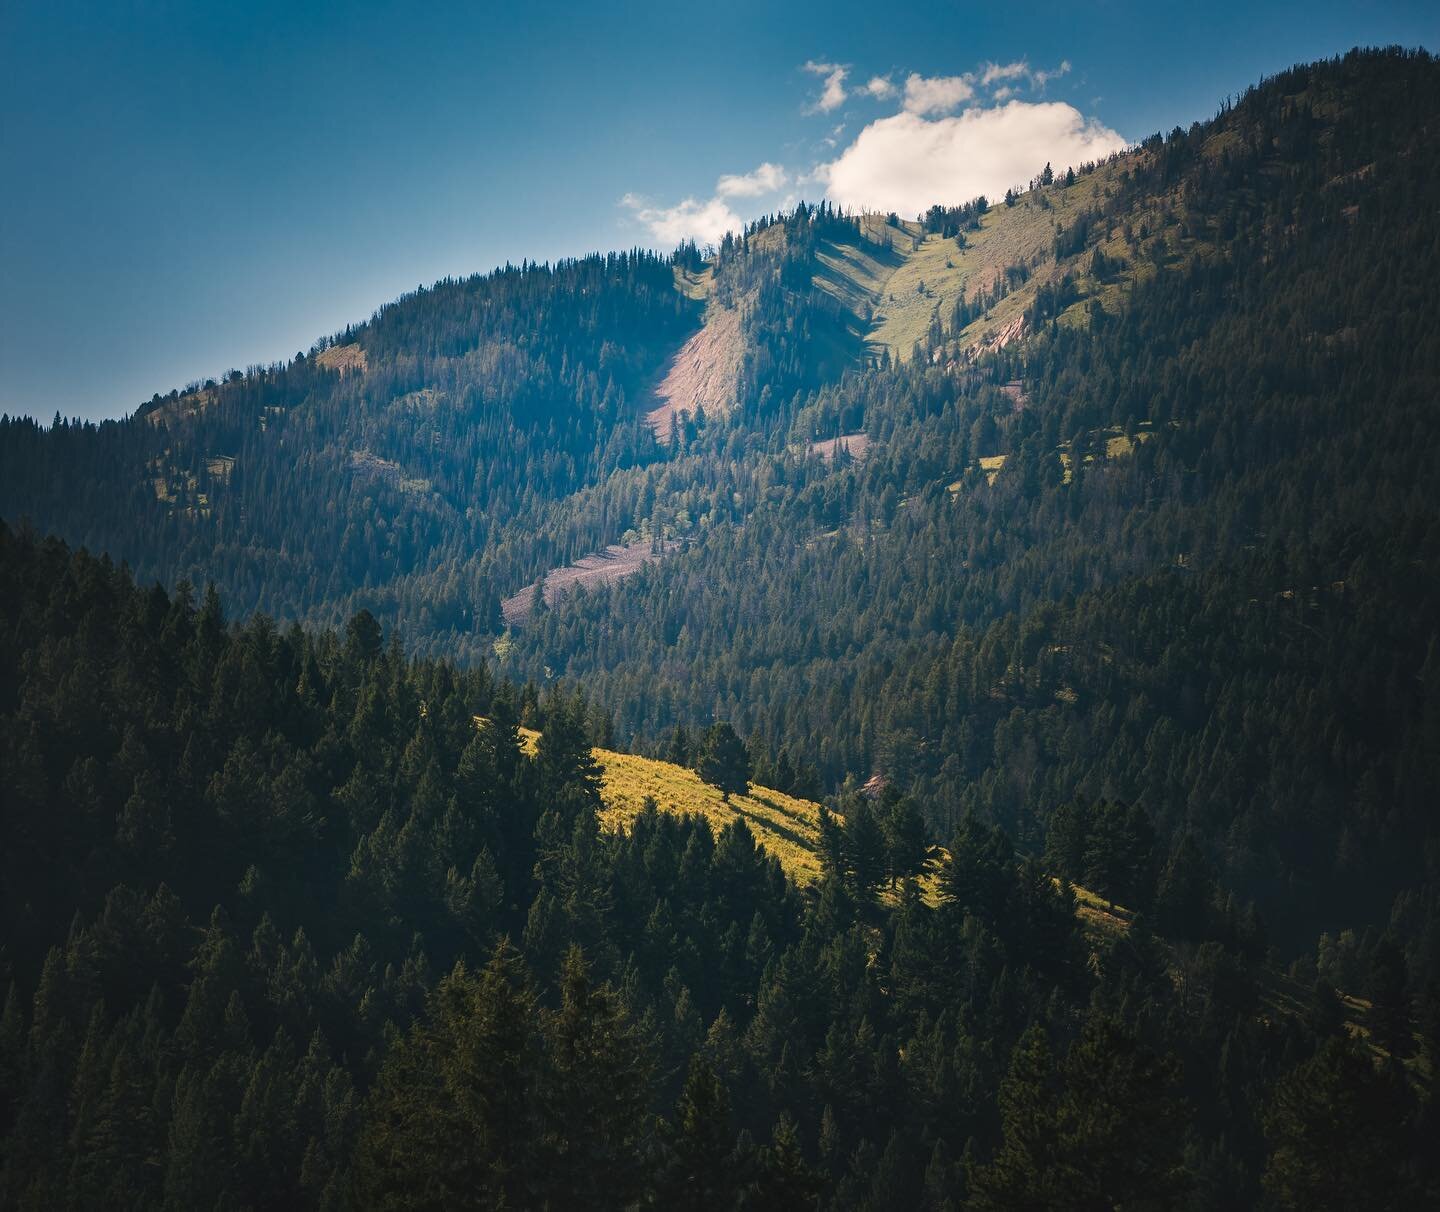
(1170, 302)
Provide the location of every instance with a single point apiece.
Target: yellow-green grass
(1283, 996)
(1357, 1024)
(856, 274)
(898, 277)
(1117, 446)
(1098, 914)
(788, 828)
(693, 285)
(1022, 234)
(991, 465)
(920, 284)
(191, 404)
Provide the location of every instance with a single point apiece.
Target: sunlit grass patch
(991, 465)
(787, 827)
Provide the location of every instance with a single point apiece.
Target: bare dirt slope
(704, 372)
(856, 445)
(191, 404)
(347, 359)
(612, 564)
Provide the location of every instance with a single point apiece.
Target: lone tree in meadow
(724, 761)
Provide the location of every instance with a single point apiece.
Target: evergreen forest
(1073, 555)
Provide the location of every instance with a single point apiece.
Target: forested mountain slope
(1148, 509)
(1203, 577)
(400, 446)
(283, 928)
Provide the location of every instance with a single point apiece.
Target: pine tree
(1326, 1012)
(568, 776)
(454, 1114)
(907, 841)
(1185, 892)
(784, 1179)
(13, 1059)
(1025, 1171)
(678, 751)
(594, 1097)
(940, 1185)
(724, 761)
(1389, 1014)
(1121, 1121)
(832, 846)
(363, 637)
(977, 877)
(699, 1171)
(1065, 840)
(1107, 1134)
(1336, 1131)
(865, 852)
(496, 1064)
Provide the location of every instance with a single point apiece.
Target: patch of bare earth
(993, 342)
(367, 467)
(191, 404)
(704, 373)
(344, 358)
(856, 445)
(1015, 389)
(613, 564)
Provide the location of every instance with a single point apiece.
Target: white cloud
(1042, 78)
(907, 162)
(832, 96)
(1003, 71)
(767, 179)
(704, 222)
(923, 155)
(936, 94)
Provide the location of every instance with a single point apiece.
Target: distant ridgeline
(1105, 513)
(281, 925)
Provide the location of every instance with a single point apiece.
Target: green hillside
(1140, 390)
(1078, 550)
(995, 646)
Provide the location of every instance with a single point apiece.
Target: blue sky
(190, 187)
